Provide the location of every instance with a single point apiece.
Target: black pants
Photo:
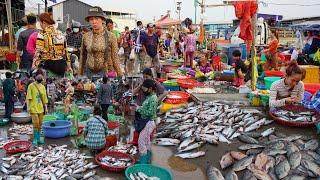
(56, 66)
(104, 108)
(9, 105)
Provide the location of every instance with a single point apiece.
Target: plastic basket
(177, 97)
(24, 146)
(113, 125)
(312, 87)
(171, 88)
(149, 170)
(274, 73)
(47, 118)
(269, 80)
(264, 99)
(187, 83)
(115, 154)
(4, 121)
(60, 129)
(294, 108)
(172, 82)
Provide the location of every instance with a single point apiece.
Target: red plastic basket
(187, 83)
(312, 87)
(177, 97)
(274, 73)
(11, 57)
(295, 108)
(114, 154)
(24, 146)
(113, 125)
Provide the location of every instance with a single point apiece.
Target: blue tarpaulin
(307, 26)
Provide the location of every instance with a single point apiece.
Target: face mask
(39, 80)
(75, 30)
(146, 93)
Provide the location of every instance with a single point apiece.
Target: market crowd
(48, 54)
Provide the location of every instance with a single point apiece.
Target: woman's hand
(291, 100)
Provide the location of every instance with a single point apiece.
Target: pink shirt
(31, 45)
(190, 43)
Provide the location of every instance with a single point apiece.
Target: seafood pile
(55, 162)
(115, 161)
(272, 157)
(125, 148)
(306, 116)
(212, 122)
(17, 130)
(141, 175)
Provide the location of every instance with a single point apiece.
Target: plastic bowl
(21, 118)
(269, 80)
(149, 170)
(114, 154)
(312, 87)
(23, 146)
(187, 83)
(56, 129)
(177, 97)
(274, 73)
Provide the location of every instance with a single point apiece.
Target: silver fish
(190, 155)
(311, 145)
(191, 147)
(295, 159)
(231, 176)
(282, 169)
(89, 174)
(247, 139)
(242, 164)
(311, 166)
(214, 173)
(268, 132)
(250, 146)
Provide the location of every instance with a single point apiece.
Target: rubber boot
(39, 138)
(135, 138)
(144, 159)
(35, 139)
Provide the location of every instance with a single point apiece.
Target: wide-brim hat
(96, 12)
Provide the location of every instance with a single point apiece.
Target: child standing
(144, 122)
(240, 69)
(95, 131)
(191, 45)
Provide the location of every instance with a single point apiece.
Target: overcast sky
(148, 9)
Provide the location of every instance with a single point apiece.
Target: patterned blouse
(92, 53)
(148, 110)
(95, 133)
(50, 45)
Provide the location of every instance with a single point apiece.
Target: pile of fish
(306, 116)
(17, 130)
(115, 161)
(54, 162)
(141, 176)
(212, 122)
(125, 148)
(275, 157)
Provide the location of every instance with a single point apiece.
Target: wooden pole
(46, 5)
(9, 18)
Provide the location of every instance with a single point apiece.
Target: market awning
(167, 21)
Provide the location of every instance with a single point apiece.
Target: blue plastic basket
(56, 129)
(149, 170)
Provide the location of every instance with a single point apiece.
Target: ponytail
(293, 68)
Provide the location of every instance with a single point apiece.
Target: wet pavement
(161, 155)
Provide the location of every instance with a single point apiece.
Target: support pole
(9, 18)
(195, 11)
(253, 50)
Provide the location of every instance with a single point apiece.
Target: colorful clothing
(190, 40)
(26, 58)
(37, 97)
(314, 103)
(95, 133)
(141, 97)
(51, 45)
(205, 69)
(151, 44)
(126, 39)
(93, 53)
(144, 141)
(148, 110)
(279, 90)
(18, 33)
(137, 35)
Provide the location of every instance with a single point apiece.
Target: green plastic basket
(170, 83)
(49, 118)
(269, 80)
(149, 170)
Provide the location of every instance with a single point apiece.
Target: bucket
(111, 140)
(56, 129)
(264, 100)
(269, 80)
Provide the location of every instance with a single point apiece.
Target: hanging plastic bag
(121, 51)
(316, 56)
(132, 54)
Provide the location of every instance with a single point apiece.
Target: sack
(316, 57)
(121, 51)
(132, 54)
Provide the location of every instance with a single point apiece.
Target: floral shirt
(95, 133)
(92, 53)
(148, 110)
(50, 45)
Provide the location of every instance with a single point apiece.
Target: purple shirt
(151, 44)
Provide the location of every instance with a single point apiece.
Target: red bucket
(312, 87)
(113, 125)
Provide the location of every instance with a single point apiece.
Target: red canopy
(167, 21)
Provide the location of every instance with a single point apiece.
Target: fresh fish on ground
(268, 132)
(282, 169)
(259, 174)
(191, 155)
(231, 176)
(214, 173)
(250, 146)
(247, 139)
(237, 155)
(141, 175)
(311, 166)
(226, 161)
(311, 145)
(294, 159)
(242, 164)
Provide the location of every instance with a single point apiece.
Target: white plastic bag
(132, 54)
(121, 51)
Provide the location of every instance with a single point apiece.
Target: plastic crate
(312, 74)
(172, 88)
